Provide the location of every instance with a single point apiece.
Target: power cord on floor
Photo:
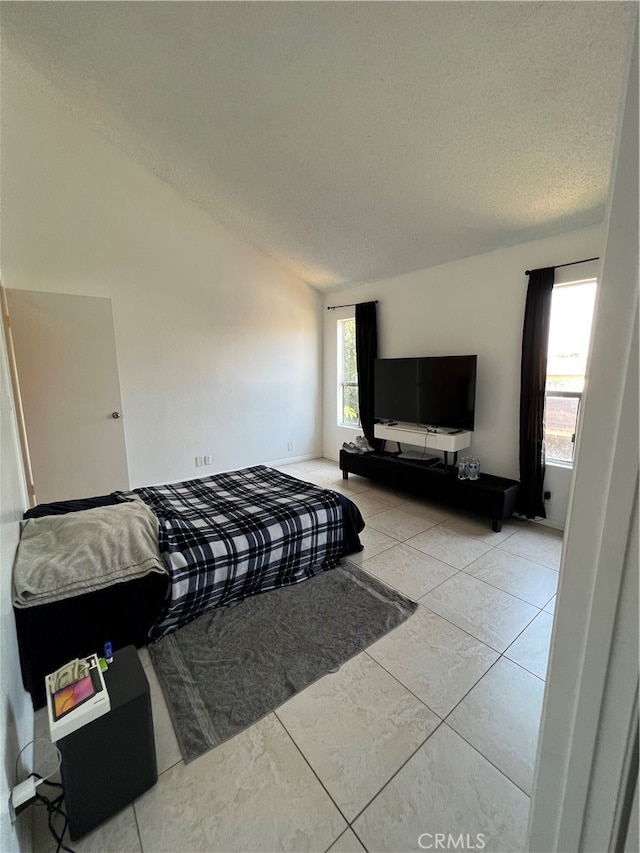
(53, 807)
(27, 792)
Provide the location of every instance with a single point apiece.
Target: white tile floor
(432, 729)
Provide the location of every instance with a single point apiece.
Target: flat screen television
(437, 391)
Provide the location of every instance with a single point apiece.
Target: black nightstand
(111, 761)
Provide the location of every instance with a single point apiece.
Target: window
(569, 334)
(348, 413)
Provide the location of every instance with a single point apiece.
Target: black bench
(495, 497)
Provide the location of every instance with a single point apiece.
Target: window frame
(576, 395)
(552, 460)
(342, 384)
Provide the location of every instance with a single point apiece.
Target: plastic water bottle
(463, 468)
(474, 469)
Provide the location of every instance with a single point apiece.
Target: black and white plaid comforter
(237, 534)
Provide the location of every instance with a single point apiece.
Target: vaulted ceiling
(351, 141)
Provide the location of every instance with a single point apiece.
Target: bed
(87, 571)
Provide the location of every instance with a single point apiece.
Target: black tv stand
(427, 462)
(494, 497)
(442, 468)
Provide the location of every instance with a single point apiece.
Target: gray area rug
(234, 665)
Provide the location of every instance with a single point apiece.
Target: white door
(67, 367)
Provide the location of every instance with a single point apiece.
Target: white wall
(475, 305)
(218, 347)
(16, 715)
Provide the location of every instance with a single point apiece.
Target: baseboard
(291, 459)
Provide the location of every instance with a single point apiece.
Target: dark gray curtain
(366, 353)
(533, 380)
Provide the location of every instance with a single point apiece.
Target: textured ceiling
(352, 141)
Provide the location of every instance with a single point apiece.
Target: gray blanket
(60, 556)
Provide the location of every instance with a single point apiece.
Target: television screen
(447, 391)
(396, 389)
(431, 391)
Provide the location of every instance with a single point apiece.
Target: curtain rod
(570, 264)
(351, 305)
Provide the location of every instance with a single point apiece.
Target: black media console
(495, 497)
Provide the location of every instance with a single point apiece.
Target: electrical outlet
(207, 460)
(199, 462)
(289, 445)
